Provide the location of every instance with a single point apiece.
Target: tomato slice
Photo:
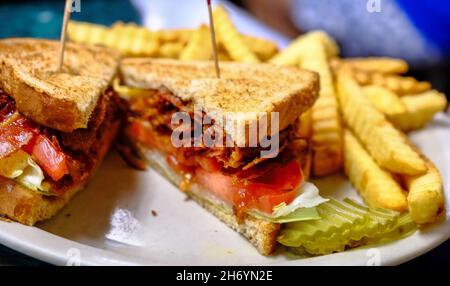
(208, 164)
(280, 186)
(217, 183)
(50, 158)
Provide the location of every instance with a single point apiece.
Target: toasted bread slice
(29, 207)
(65, 100)
(245, 90)
(261, 233)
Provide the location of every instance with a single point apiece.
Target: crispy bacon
(156, 110)
(83, 139)
(15, 132)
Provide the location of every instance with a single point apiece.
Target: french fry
(231, 39)
(384, 100)
(384, 142)
(224, 57)
(175, 35)
(129, 39)
(292, 54)
(171, 50)
(326, 125)
(133, 40)
(398, 84)
(85, 33)
(420, 108)
(199, 46)
(303, 145)
(426, 197)
(378, 187)
(379, 65)
(262, 48)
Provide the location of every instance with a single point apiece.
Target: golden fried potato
(262, 48)
(133, 40)
(199, 47)
(421, 109)
(327, 130)
(387, 145)
(384, 100)
(129, 39)
(86, 33)
(231, 39)
(171, 50)
(379, 65)
(378, 187)
(292, 55)
(426, 197)
(302, 144)
(397, 84)
(175, 35)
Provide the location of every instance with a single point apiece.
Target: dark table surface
(439, 256)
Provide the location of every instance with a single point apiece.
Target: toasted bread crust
(244, 89)
(28, 207)
(63, 101)
(261, 233)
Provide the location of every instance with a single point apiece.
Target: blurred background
(417, 31)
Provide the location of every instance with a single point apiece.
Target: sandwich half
(55, 127)
(251, 187)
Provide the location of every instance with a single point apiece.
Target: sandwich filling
(238, 176)
(46, 160)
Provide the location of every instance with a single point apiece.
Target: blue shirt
(417, 31)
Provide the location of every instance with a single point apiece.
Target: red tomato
(50, 158)
(208, 164)
(219, 184)
(278, 186)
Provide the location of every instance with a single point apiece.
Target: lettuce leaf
(302, 208)
(21, 168)
(309, 197)
(33, 178)
(300, 214)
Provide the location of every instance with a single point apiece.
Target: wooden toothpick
(213, 37)
(62, 43)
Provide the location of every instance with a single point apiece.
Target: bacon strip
(156, 109)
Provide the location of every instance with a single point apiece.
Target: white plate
(111, 223)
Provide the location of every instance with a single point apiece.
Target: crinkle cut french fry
(231, 39)
(302, 145)
(262, 48)
(384, 100)
(327, 129)
(380, 65)
(421, 109)
(175, 35)
(292, 54)
(426, 197)
(378, 187)
(398, 84)
(384, 142)
(86, 33)
(199, 46)
(129, 39)
(170, 50)
(133, 40)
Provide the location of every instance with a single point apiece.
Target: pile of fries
(358, 122)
